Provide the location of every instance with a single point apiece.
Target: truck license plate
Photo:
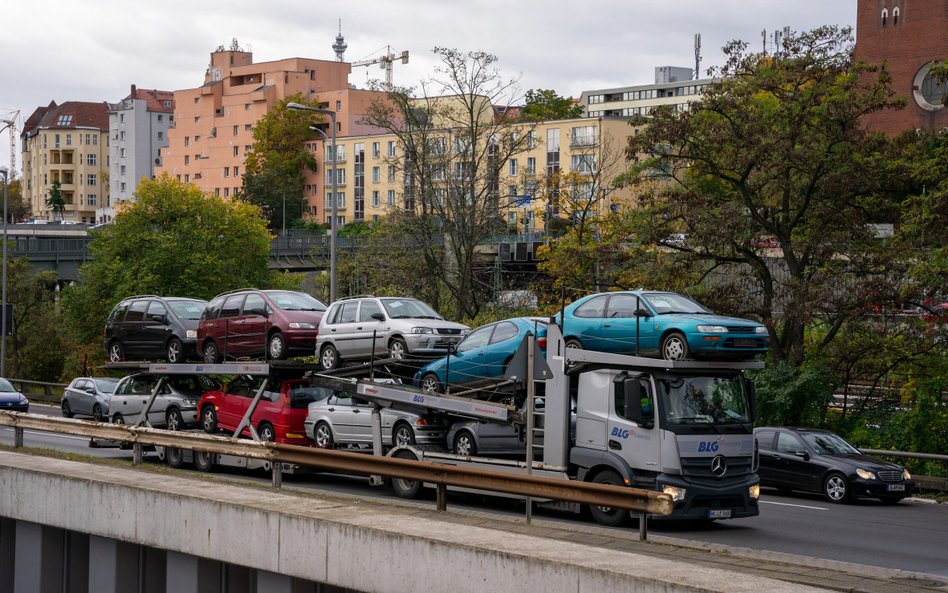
(719, 514)
(896, 487)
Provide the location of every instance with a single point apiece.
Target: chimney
(133, 91)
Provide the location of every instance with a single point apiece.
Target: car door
(503, 344)
(235, 402)
(252, 324)
(232, 342)
(767, 462)
(585, 323)
(132, 330)
(79, 394)
(794, 470)
(467, 364)
(156, 329)
(346, 418)
(368, 329)
(620, 325)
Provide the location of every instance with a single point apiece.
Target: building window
(375, 199)
(69, 139)
(236, 129)
(90, 159)
(236, 171)
(122, 170)
(895, 16)
(513, 167)
(187, 178)
(248, 127)
(531, 166)
(885, 15)
(391, 148)
(64, 120)
(217, 192)
(92, 178)
(161, 135)
(391, 197)
(92, 198)
(583, 163)
(929, 95)
(160, 117)
(248, 106)
(391, 173)
(338, 105)
(122, 185)
(187, 159)
(376, 174)
(236, 151)
(531, 139)
(197, 119)
(375, 150)
(187, 141)
(226, 191)
(584, 136)
(226, 171)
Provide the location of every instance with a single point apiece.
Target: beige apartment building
(68, 143)
(213, 129)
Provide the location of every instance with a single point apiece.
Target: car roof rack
(236, 290)
(356, 296)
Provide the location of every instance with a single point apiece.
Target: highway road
(909, 536)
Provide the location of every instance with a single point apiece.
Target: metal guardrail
(46, 391)
(932, 482)
(633, 499)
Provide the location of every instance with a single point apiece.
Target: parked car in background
(342, 420)
(354, 328)
(669, 326)
(153, 327)
(175, 406)
(813, 460)
(11, 400)
(89, 396)
(279, 414)
(259, 323)
(482, 356)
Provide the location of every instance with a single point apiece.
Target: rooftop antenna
(697, 55)
(340, 45)
(763, 36)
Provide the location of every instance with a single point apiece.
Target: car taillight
(541, 342)
(422, 422)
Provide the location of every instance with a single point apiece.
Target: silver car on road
(340, 420)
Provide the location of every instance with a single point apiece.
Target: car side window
(157, 313)
(765, 440)
(504, 331)
(348, 313)
(136, 312)
(118, 313)
(213, 309)
(231, 306)
(789, 444)
(241, 386)
(476, 339)
(81, 384)
(368, 309)
(255, 305)
(622, 306)
(594, 308)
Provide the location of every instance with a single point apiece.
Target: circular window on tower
(928, 93)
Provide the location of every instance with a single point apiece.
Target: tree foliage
(774, 153)
(55, 200)
(451, 152)
(546, 105)
(275, 167)
(35, 351)
(17, 208)
(174, 241)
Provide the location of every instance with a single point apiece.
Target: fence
(39, 390)
(928, 482)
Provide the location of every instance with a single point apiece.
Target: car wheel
(209, 419)
(464, 444)
(175, 351)
(329, 357)
(211, 354)
(573, 344)
(403, 435)
(67, 410)
(608, 515)
(116, 352)
(398, 349)
(322, 436)
(406, 488)
(675, 347)
(836, 488)
(203, 461)
(118, 419)
(276, 347)
(97, 413)
(265, 430)
(430, 383)
(174, 420)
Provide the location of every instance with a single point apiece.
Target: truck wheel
(203, 461)
(406, 488)
(608, 515)
(173, 456)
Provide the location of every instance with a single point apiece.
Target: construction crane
(10, 119)
(385, 62)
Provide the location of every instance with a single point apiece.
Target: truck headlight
(712, 329)
(677, 494)
(422, 330)
(302, 325)
(865, 475)
(191, 334)
(754, 491)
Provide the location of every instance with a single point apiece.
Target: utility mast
(11, 126)
(340, 45)
(697, 56)
(385, 61)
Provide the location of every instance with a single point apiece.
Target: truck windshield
(703, 400)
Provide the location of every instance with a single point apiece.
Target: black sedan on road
(820, 461)
(12, 400)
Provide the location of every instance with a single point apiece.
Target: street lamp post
(332, 222)
(3, 297)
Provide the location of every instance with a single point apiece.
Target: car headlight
(191, 333)
(677, 494)
(906, 474)
(422, 330)
(712, 329)
(464, 332)
(302, 325)
(760, 330)
(189, 401)
(23, 399)
(754, 491)
(865, 474)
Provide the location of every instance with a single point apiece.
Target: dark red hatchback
(250, 323)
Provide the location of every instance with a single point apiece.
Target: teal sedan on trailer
(669, 326)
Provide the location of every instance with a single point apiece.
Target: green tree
(774, 152)
(546, 105)
(55, 200)
(17, 208)
(451, 152)
(274, 168)
(35, 350)
(174, 240)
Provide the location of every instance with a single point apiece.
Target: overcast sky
(94, 50)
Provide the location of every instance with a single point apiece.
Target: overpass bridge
(108, 528)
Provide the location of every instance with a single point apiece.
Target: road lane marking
(799, 506)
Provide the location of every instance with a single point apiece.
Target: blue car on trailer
(667, 325)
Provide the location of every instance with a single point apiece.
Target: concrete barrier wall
(360, 546)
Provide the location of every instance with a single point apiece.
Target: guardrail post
(17, 437)
(277, 474)
(442, 498)
(137, 454)
(643, 527)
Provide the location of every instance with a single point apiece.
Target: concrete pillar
(115, 566)
(182, 573)
(269, 582)
(41, 553)
(77, 562)
(7, 553)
